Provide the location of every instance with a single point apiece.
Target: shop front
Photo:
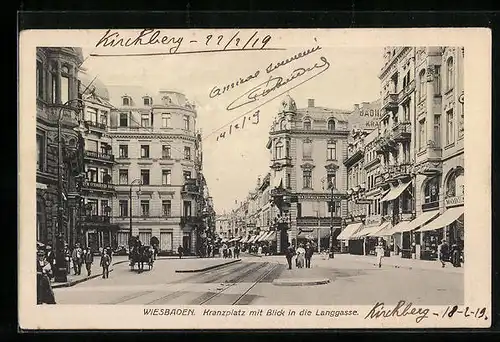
(346, 244)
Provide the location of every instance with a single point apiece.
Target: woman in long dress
(45, 295)
(379, 249)
(301, 254)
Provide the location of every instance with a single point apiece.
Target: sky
(232, 164)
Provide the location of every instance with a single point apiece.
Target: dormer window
(307, 124)
(331, 125)
(147, 101)
(126, 101)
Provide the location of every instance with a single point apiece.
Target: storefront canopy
(367, 231)
(448, 217)
(252, 238)
(349, 231)
(271, 236)
(398, 228)
(395, 192)
(382, 230)
(420, 220)
(262, 236)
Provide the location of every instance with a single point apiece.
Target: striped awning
(263, 237)
(395, 192)
(383, 231)
(446, 218)
(349, 231)
(271, 236)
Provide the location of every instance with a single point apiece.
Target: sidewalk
(204, 264)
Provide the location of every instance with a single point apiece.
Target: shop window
(431, 192)
(455, 185)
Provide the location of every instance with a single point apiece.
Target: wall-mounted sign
(365, 116)
(454, 201)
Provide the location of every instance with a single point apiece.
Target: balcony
(391, 173)
(96, 219)
(52, 111)
(95, 125)
(390, 101)
(104, 157)
(354, 153)
(402, 131)
(190, 220)
(406, 92)
(190, 187)
(385, 144)
(430, 206)
(88, 185)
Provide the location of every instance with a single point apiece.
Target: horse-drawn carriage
(140, 255)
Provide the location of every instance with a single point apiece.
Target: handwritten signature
(276, 82)
(401, 309)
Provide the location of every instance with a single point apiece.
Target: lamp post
(134, 182)
(332, 254)
(60, 273)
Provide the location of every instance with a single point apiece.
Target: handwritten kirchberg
(219, 90)
(209, 43)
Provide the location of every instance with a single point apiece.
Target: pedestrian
(301, 253)
(89, 260)
(51, 258)
(379, 251)
(77, 259)
(289, 253)
(455, 255)
(180, 250)
(105, 262)
(442, 251)
(237, 251)
(309, 254)
(229, 253)
(44, 293)
(67, 258)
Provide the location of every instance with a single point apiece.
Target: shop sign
(454, 201)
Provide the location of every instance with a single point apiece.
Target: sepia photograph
(253, 173)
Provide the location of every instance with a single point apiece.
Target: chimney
(310, 103)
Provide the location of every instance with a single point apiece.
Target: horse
(140, 255)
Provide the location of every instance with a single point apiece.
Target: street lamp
(332, 187)
(134, 182)
(60, 274)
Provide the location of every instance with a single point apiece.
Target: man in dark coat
(309, 254)
(180, 250)
(289, 253)
(45, 295)
(89, 260)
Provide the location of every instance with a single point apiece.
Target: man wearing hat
(77, 257)
(442, 251)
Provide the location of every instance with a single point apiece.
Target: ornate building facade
(307, 148)
(57, 99)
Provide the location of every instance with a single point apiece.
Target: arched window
(421, 89)
(331, 125)
(282, 125)
(455, 185)
(307, 124)
(126, 101)
(450, 75)
(279, 150)
(431, 191)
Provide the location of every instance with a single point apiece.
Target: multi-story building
(57, 102)
(157, 174)
(98, 192)
(222, 226)
(307, 149)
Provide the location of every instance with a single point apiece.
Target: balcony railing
(96, 219)
(98, 186)
(312, 221)
(390, 101)
(406, 91)
(100, 156)
(402, 131)
(95, 124)
(190, 187)
(191, 220)
(385, 143)
(430, 205)
(390, 173)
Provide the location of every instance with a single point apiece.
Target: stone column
(430, 105)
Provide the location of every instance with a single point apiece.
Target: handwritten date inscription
(254, 119)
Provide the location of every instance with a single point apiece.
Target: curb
(300, 282)
(255, 255)
(208, 268)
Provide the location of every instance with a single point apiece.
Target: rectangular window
(186, 122)
(187, 208)
(40, 152)
(104, 172)
(105, 148)
(39, 79)
(421, 136)
(166, 176)
(437, 130)
(64, 89)
(331, 179)
(288, 181)
(187, 174)
(93, 207)
(299, 209)
(123, 177)
(92, 174)
(92, 115)
(123, 119)
(437, 80)
(53, 77)
(165, 119)
(104, 118)
(306, 150)
(145, 120)
(144, 151)
(331, 151)
(147, 101)
(144, 208)
(287, 148)
(450, 127)
(166, 152)
(123, 208)
(166, 208)
(187, 153)
(145, 177)
(307, 179)
(123, 151)
(104, 208)
(92, 145)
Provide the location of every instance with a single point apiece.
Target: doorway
(186, 242)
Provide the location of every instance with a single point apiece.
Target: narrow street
(250, 282)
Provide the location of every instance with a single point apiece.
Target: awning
(383, 231)
(349, 231)
(400, 227)
(312, 233)
(244, 239)
(395, 192)
(448, 217)
(262, 236)
(277, 181)
(420, 220)
(366, 231)
(271, 236)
